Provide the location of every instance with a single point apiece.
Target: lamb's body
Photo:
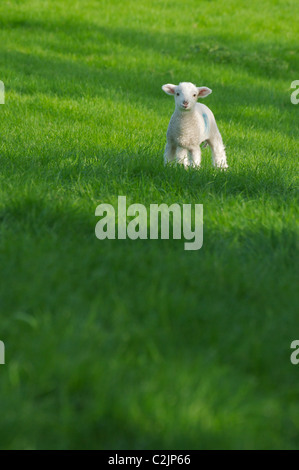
(191, 124)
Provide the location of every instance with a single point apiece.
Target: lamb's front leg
(182, 156)
(195, 156)
(169, 154)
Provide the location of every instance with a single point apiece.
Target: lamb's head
(186, 94)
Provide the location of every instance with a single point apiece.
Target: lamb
(191, 124)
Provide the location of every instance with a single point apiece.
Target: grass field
(139, 344)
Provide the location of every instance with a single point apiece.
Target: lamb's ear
(203, 91)
(169, 88)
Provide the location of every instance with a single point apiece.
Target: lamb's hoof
(222, 166)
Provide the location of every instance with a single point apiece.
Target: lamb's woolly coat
(191, 124)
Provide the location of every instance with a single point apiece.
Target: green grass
(139, 344)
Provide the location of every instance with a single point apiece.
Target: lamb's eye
(194, 95)
(178, 94)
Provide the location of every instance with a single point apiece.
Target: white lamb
(191, 124)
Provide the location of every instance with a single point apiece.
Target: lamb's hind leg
(218, 150)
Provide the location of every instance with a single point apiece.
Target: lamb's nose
(185, 102)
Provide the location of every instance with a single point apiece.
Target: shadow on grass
(160, 332)
(258, 58)
(146, 169)
(109, 172)
(63, 76)
(67, 214)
